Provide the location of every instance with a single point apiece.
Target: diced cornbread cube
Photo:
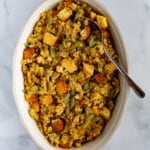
(49, 39)
(88, 70)
(110, 68)
(69, 65)
(105, 112)
(105, 90)
(65, 14)
(102, 21)
(100, 49)
(92, 15)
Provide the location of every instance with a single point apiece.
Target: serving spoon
(132, 83)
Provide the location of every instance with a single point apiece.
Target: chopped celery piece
(67, 112)
(78, 45)
(72, 103)
(73, 92)
(92, 41)
(86, 85)
(96, 118)
(53, 52)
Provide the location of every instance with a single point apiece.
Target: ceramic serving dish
(18, 86)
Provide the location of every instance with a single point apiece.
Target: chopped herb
(96, 118)
(78, 45)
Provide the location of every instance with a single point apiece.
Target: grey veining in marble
(133, 17)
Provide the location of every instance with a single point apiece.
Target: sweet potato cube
(61, 87)
(88, 70)
(28, 53)
(47, 99)
(100, 78)
(32, 98)
(58, 125)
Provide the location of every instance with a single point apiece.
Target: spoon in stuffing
(132, 83)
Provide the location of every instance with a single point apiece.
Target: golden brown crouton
(92, 15)
(69, 65)
(49, 39)
(110, 68)
(105, 112)
(65, 14)
(102, 21)
(88, 70)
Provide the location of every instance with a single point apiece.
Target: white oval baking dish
(18, 86)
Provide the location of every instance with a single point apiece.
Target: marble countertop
(133, 17)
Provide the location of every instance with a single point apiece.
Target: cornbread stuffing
(70, 84)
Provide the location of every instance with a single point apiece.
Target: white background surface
(133, 17)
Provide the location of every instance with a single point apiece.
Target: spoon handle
(133, 85)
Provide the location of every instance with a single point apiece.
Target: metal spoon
(132, 84)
